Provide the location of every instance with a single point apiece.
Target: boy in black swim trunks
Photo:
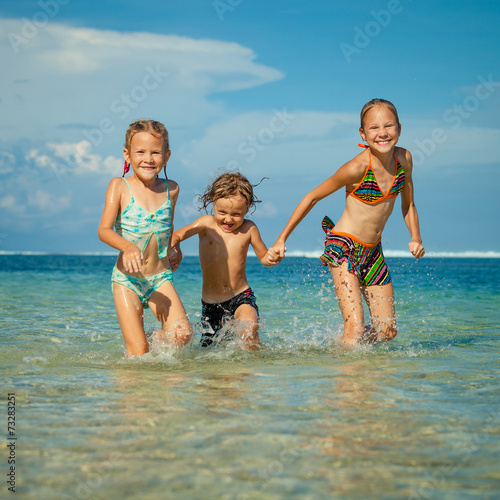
(224, 239)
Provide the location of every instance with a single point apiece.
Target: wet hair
(157, 129)
(153, 127)
(227, 185)
(379, 102)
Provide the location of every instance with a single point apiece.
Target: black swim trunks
(218, 314)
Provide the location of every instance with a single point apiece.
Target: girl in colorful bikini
(224, 239)
(353, 250)
(141, 209)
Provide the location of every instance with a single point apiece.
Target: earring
(126, 168)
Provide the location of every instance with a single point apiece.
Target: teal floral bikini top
(137, 225)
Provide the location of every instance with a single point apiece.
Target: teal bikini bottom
(143, 286)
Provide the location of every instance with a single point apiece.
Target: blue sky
(271, 88)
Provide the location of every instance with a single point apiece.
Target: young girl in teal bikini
(141, 210)
(353, 250)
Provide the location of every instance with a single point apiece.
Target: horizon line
(304, 254)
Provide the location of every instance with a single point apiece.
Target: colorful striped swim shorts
(363, 260)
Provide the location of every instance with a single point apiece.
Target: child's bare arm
(409, 210)
(192, 229)
(344, 175)
(196, 227)
(260, 249)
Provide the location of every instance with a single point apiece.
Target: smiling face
(229, 213)
(380, 129)
(146, 155)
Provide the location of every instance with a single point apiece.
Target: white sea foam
(405, 254)
(470, 254)
(7, 252)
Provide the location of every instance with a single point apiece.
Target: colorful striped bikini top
(137, 225)
(368, 190)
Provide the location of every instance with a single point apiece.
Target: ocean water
(304, 418)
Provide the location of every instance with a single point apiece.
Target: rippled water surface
(303, 418)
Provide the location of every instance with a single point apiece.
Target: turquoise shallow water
(301, 419)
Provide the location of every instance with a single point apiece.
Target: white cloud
(318, 143)
(8, 201)
(435, 144)
(86, 85)
(74, 79)
(277, 141)
(47, 202)
(75, 158)
(7, 162)
(70, 93)
(267, 209)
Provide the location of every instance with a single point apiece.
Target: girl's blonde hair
(152, 126)
(379, 102)
(227, 185)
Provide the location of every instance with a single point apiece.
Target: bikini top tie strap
(129, 188)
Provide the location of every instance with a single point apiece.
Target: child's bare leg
(380, 300)
(250, 320)
(350, 300)
(130, 310)
(166, 305)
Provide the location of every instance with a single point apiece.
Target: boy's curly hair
(227, 185)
